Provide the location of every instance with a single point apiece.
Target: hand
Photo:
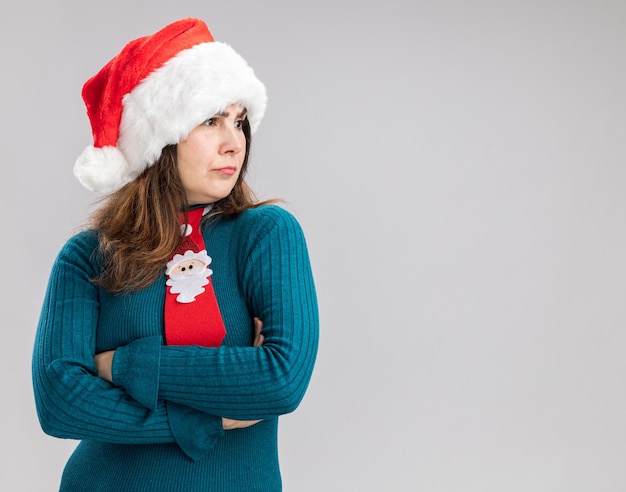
(230, 424)
(104, 363)
(258, 336)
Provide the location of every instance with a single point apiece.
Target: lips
(229, 170)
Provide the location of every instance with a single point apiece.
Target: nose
(233, 141)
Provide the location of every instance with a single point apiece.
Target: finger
(258, 337)
(258, 341)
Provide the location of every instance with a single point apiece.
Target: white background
(458, 168)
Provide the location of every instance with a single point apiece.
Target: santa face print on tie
(188, 274)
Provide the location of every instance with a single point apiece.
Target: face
(210, 158)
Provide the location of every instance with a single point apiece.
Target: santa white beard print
(188, 274)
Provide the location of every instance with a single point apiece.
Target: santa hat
(153, 93)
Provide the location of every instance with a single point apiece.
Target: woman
(147, 348)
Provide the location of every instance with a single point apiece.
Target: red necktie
(192, 315)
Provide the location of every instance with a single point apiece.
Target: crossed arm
(104, 363)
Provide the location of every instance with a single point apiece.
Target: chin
(200, 199)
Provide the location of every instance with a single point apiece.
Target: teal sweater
(158, 426)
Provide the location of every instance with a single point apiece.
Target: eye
(239, 123)
(209, 122)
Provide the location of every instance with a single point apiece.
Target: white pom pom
(102, 170)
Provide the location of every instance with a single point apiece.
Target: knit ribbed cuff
(136, 368)
(195, 432)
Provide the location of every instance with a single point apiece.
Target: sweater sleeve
(247, 382)
(71, 400)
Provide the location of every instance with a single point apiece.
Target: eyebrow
(225, 114)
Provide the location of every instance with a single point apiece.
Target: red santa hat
(153, 93)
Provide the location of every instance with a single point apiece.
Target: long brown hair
(139, 225)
